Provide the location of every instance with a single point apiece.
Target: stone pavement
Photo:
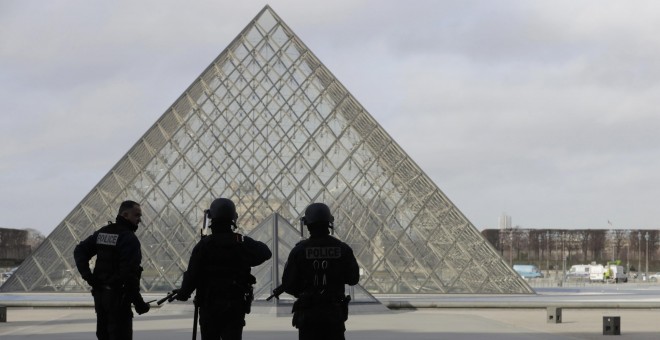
(174, 321)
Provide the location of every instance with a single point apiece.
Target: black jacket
(220, 260)
(118, 257)
(321, 264)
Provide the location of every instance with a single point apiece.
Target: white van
(579, 271)
(616, 273)
(597, 272)
(610, 272)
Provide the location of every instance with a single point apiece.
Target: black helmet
(317, 212)
(222, 209)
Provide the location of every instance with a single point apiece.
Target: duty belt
(108, 287)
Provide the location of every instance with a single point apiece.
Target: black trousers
(114, 318)
(221, 322)
(320, 322)
(320, 333)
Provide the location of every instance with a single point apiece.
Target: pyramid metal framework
(268, 125)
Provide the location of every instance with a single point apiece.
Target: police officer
(315, 273)
(116, 279)
(219, 269)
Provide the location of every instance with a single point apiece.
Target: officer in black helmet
(315, 273)
(116, 279)
(219, 269)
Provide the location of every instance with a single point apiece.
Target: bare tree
(520, 238)
(653, 246)
(572, 244)
(620, 239)
(635, 238)
(493, 236)
(597, 244)
(34, 238)
(547, 246)
(583, 238)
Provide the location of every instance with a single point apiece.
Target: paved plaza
(175, 322)
(70, 316)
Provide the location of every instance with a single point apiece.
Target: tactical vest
(225, 274)
(322, 268)
(106, 269)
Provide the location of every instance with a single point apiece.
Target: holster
(248, 297)
(313, 310)
(344, 306)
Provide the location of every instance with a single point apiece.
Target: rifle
(280, 289)
(169, 298)
(276, 293)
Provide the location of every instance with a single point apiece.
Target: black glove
(179, 296)
(141, 307)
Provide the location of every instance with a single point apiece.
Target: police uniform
(116, 278)
(219, 269)
(315, 273)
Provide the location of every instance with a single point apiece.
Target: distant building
(505, 222)
(548, 248)
(14, 246)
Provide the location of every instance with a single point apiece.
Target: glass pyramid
(268, 125)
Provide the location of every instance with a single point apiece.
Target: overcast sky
(544, 110)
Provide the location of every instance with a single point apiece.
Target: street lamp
(628, 256)
(614, 239)
(557, 262)
(539, 258)
(547, 256)
(646, 237)
(563, 257)
(639, 252)
(511, 247)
